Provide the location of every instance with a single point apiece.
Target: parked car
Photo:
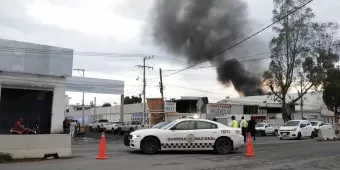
(316, 125)
(112, 126)
(266, 128)
(98, 125)
(296, 129)
(130, 126)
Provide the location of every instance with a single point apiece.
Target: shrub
(5, 157)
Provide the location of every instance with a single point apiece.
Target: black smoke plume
(199, 29)
(243, 82)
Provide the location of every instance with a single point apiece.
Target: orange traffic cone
(250, 149)
(102, 148)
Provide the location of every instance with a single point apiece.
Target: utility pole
(144, 66)
(301, 107)
(94, 107)
(82, 103)
(162, 92)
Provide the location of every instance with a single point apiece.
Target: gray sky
(121, 26)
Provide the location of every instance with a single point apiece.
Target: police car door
(181, 136)
(207, 133)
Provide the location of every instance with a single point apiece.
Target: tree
(331, 94)
(106, 104)
(298, 53)
(132, 100)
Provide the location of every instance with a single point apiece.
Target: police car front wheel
(223, 146)
(150, 145)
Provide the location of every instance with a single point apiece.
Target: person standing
(65, 125)
(233, 123)
(243, 126)
(251, 127)
(37, 125)
(73, 125)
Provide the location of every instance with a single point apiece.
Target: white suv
(296, 129)
(98, 125)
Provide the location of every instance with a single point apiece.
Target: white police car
(187, 134)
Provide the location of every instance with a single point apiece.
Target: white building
(313, 106)
(33, 81)
(32, 84)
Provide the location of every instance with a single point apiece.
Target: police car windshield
(159, 125)
(169, 124)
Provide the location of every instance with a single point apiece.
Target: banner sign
(155, 109)
(169, 107)
(139, 117)
(221, 110)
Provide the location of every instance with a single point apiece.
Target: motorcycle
(20, 131)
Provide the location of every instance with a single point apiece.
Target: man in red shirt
(19, 124)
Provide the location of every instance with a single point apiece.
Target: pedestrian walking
(243, 126)
(251, 127)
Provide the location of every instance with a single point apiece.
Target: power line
(199, 90)
(203, 67)
(242, 41)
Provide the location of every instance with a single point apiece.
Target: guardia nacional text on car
(187, 134)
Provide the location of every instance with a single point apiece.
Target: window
(206, 125)
(135, 123)
(185, 125)
(103, 120)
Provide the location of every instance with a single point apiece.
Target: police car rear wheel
(223, 146)
(150, 145)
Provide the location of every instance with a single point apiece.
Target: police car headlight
(135, 136)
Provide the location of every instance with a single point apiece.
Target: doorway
(30, 105)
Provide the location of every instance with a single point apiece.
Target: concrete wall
(29, 81)
(36, 146)
(110, 113)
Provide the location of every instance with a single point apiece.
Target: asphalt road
(271, 153)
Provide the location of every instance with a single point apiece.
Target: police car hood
(143, 131)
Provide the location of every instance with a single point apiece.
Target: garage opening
(30, 105)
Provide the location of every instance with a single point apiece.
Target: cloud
(121, 26)
(24, 21)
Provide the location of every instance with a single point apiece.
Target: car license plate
(284, 134)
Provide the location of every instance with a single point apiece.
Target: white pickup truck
(130, 126)
(266, 129)
(98, 125)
